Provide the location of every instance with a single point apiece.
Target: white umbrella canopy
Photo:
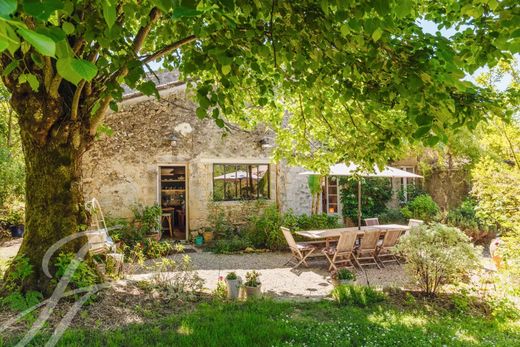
(352, 169)
(237, 175)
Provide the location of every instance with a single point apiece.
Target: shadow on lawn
(323, 323)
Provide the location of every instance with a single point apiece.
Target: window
(240, 182)
(405, 182)
(330, 195)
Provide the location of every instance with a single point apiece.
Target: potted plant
(148, 220)
(208, 235)
(253, 285)
(233, 285)
(343, 276)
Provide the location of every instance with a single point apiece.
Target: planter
(208, 236)
(336, 282)
(154, 236)
(253, 292)
(233, 288)
(199, 240)
(16, 230)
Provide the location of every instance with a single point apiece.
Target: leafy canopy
(359, 79)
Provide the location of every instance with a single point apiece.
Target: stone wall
(122, 169)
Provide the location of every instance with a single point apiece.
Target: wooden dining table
(329, 235)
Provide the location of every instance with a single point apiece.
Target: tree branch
(155, 13)
(47, 73)
(168, 49)
(75, 101)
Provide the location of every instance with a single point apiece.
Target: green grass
(273, 323)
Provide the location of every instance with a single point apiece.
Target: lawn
(323, 323)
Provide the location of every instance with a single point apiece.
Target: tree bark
(53, 195)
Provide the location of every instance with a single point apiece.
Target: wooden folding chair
(385, 253)
(367, 248)
(341, 254)
(371, 221)
(300, 250)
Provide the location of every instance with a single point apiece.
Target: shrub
(231, 276)
(252, 279)
(376, 192)
(83, 276)
(345, 274)
(437, 255)
(465, 218)
(21, 269)
(390, 216)
(422, 207)
(155, 249)
(412, 191)
(357, 295)
(234, 244)
(264, 229)
(147, 217)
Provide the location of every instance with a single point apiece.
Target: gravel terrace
(280, 280)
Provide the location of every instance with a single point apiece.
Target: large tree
(360, 79)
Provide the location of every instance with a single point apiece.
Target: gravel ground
(279, 279)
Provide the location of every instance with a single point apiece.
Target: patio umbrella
(237, 175)
(353, 169)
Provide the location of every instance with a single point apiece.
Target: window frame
(239, 197)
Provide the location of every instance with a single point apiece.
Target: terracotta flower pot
(253, 292)
(208, 236)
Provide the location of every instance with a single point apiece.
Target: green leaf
(109, 12)
(68, 28)
(181, 11)
(376, 35)
(226, 69)
(164, 5)
(42, 10)
(7, 7)
(422, 131)
(345, 29)
(148, 88)
(8, 35)
(10, 68)
(63, 49)
(403, 8)
(75, 70)
(31, 79)
(41, 43)
(3, 44)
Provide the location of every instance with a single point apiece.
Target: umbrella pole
(359, 204)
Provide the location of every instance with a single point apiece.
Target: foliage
(437, 255)
(231, 276)
(314, 183)
(176, 278)
(422, 207)
(375, 194)
(218, 221)
(391, 216)
(345, 274)
(148, 217)
(264, 229)
(361, 296)
(409, 193)
(220, 291)
(21, 269)
(83, 276)
(465, 218)
(231, 245)
(252, 279)
(155, 249)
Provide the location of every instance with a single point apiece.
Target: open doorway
(173, 187)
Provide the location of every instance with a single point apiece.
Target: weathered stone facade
(122, 169)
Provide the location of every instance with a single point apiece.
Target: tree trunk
(53, 195)
(53, 203)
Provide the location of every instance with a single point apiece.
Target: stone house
(158, 151)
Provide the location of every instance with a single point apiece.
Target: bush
(83, 276)
(232, 245)
(376, 192)
(264, 230)
(465, 218)
(391, 216)
(422, 207)
(437, 255)
(357, 295)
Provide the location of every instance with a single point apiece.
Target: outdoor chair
(415, 222)
(371, 221)
(98, 239)
(341, 254)
(386, 251)
(300, 250)
(367, 250)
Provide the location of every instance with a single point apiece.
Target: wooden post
(359, 203)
